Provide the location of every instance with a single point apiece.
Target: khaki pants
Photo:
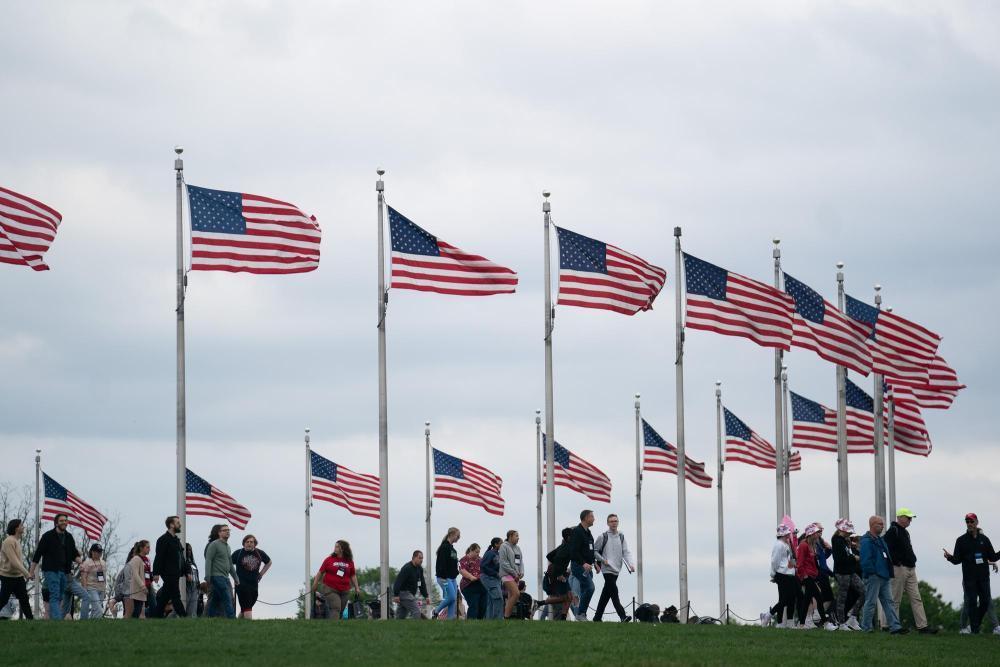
(335, 601)
(905, 579)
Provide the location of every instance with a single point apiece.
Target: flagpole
(891, 455)
(383, 411)
(550, 422)
(38, 527)
(181, 398)
(428, 558)
(308, 602)
(844, 505)
(786, 455)
(638, 498)
(681, 470)
(538, 497)
(879, 416)
(779, 476)
(723, 609)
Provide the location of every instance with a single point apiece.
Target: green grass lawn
(288, 642)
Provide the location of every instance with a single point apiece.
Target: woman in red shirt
(807, 571)
(335, 578)
(472, 589)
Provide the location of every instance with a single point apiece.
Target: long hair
(345, 550)
(12, 526)
(214, 533)
(472, 547)
(495, 543)
(451, 531)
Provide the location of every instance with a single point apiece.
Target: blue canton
(197, 485)
(445, 464)
(862, 312)
(703, 278)
(561, 454)
(323, 468)
(804, 410)
(653, 439)
(408, 238)
(858, 399)
(216, 211)
(735, 427)
(808, 303)
(54, 489)
(580, 253)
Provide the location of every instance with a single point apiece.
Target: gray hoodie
(611, 551)
(511, 563)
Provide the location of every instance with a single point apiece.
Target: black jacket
(559, 559)
(446, 562)
(897, 539)
(581, 546)
(170, 560)
(969, 551)
(844, 560)
(410, 578)
(56, 552)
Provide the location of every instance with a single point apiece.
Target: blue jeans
(449, 597)
(494, 597)
(75, 589)
(56, 583)
(582, 584)
(92, 604)
(878, 587)
(221, 599)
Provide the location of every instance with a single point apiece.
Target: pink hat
(845, 525)
(784, 531)
(812, 529)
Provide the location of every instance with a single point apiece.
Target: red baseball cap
(972, 515)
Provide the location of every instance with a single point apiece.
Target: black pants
(17, 587)
(977, 601)
(829, 602)
(609, 592)
(788, 590)
(810, 591)
(171, 591)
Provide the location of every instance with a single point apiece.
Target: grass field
(287, 642)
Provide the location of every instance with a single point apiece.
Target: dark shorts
(555, 587)
(246, 596)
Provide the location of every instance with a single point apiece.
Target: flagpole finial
(718, 388)
(637, 401)
(538, 416)
(546, 206)
(178, 149)
(380, 171)
(677, 232)
(840, 265)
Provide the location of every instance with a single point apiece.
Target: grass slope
(287, 642)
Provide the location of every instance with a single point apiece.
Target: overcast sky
(866, 132)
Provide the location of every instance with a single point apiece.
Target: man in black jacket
(904, 569)
(581, 548)
(57, 553)
(974, 552)
(409, 581)
(170, 564)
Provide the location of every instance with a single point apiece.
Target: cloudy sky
(862, 132)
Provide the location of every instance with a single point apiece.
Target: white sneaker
(829, 626)
(815, 616)
(852, 623)
(843, 626)
(965, 631)
(996, 630)
(765, 619)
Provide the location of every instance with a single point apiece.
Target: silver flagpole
(786, 455)
(879, 417)
(38, 528)
(779, 468)
(638, 499)
(844, 505)
(181, 399)
(550, 422)
(681, 469)
(309, 598)
(429, 557)
(383, 411)
(538, 497)
(891, 455)
(723, 609)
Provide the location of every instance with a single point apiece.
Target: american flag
(658, 455)
(814, 426)
(59, 500)
(820, 327)
(575, 473)
(420, 261)
(467, 482)
(743, 445)
(733, 305)
(27, 229)
(237, 232)
(203, 499)
(355, 492)
(860, 414)
(900, 348)
(594, 274)
(911, 432)
(911, 435)
(938, 392)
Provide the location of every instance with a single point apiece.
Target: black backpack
(647, 613)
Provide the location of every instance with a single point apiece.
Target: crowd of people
(871, 570)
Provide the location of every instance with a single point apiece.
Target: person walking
(135, 600)
(904, 569)
(219, 568)
(14, 575)
(471, 587)
(57, 553)
(582, 565)
(192, 591)
(489, 576)
(847, 574)
(335, 578)
(612, 555)
(823, 550)
(446, 571)
(807, 572)
(555, 582)
(170, 565)
(876, 571)
(783, 575)
(974, 552)
(94, 580)
(249, 561)
(408, 584)
(511, 570)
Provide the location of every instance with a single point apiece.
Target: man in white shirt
(611, 553)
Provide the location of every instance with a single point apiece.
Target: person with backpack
(489, 576)
(904, 573)
(13, 574)
(612, 555)
(248, 562)
(582, 564)
(135, 596)
(335, 578)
